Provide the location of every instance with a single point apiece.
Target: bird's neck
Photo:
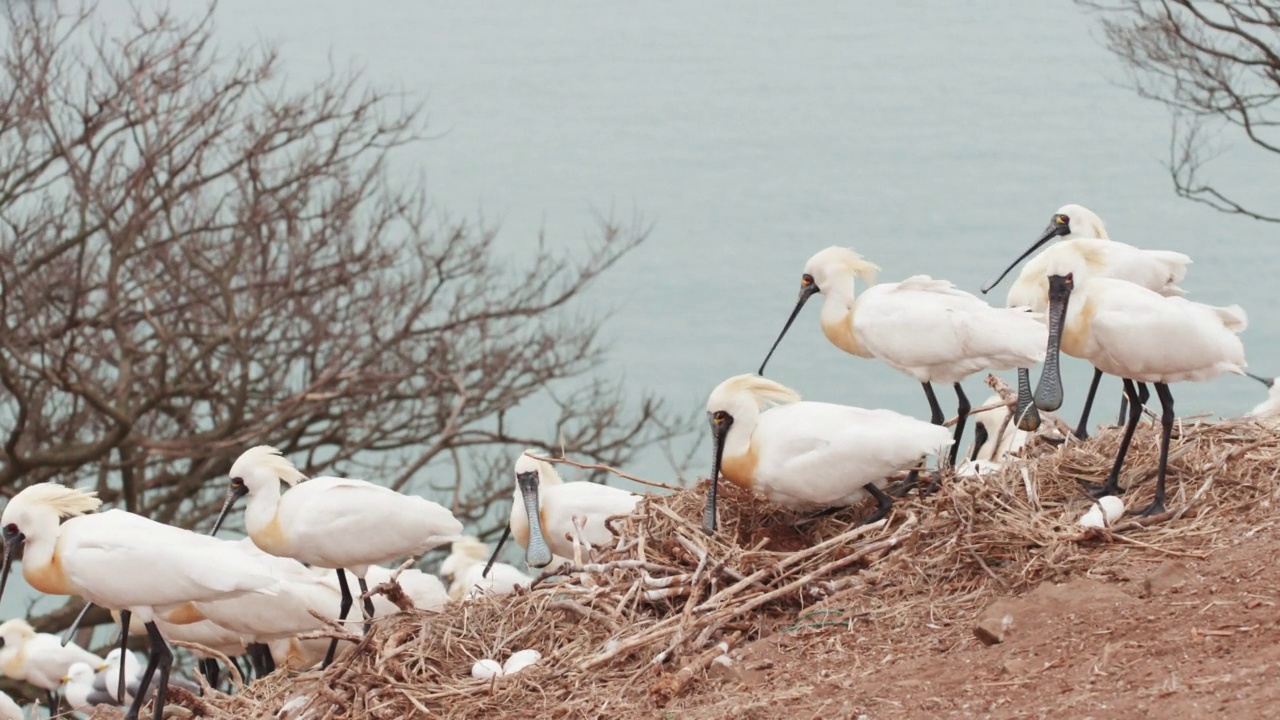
(40, 565)
(260, 512)
(737, 465)
(838, 309)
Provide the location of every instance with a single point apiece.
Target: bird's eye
(1070, 279)
(1062, 219)
(806, 280)
(237, 482)
(10, 530)
(720, 415)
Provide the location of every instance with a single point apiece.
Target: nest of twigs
(639, 624)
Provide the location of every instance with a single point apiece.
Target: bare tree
(197, 257)
(1213, 63)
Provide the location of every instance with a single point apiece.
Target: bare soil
(1148, 635)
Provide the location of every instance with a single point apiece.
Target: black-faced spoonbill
(995, 435)
(1270, 407)
(546, 511)
(1138, 335)
(809, 455)
(1156, 270)
(923, 327)
(333, 522)
(38, 658)
(97, 556)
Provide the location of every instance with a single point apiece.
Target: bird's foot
(1155, 508)
(1081, 434)
(1054, 441)
(933, 486)
(1096, 491)
(901, 489)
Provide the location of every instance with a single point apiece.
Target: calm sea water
(933, 137)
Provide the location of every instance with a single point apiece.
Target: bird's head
(463, 553)
(736, 400)
(531, 473)
(78, 673)
(1071, 222)
(830, 270)
(13, 633)
(35, 513)
(257, 469)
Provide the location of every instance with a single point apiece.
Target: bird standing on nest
(923, 327)
(1156, 270)
(1136, 334)
(331, 522)
(809, 454)
(547, 511)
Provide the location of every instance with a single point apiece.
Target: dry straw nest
(640, 624)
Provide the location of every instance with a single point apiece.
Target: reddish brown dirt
(1202, 640)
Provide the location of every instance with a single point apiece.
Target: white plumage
(1139, 335)
(923, 327)
(38, 658)
(331, 522)
(10, 710)
(995, 437)
(464, 568)
(810, 454)
(555, 505)
(1156, 270)
(1268, 409)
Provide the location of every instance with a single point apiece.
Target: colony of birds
(649, 591)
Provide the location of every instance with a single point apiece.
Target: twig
(606, 468)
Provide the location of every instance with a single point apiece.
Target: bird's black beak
(537, 554)
(807, 290)
(1049, 390)
(12, 544)
(1265, 381)
(1054, 230)
(720, 423)
(237, 490)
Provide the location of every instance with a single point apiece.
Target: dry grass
(640, 624)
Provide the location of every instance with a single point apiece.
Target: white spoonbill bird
(38, 658)
(923, 327)
(545, 507)
(464, 568)
(10, 710)
(98, 556)
(1156, 270)
(78, 688)
(331, 522)
(1138, 335)
(809, 454)
(1269, 408)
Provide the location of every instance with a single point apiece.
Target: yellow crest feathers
(846, 261)
(269, 459)
(66, 501)
(764, 390)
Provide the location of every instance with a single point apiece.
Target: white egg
(520, 660)
(486, 669)
(1103, 513)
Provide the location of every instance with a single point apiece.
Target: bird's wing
(820, 452)
(591, 501)
(342, 519)
(1133, 328)
(927, 323)
(123, 560)
(99, 697)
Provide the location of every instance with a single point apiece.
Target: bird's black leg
(1082, 429)
(1112, 485)
(1166, 430)
(884, 503)
(125, 615)
(260, 658)
(140, 696)
(910, 482)
(342, 615)
(164, 661)
(935, 410)
(980, 437)
(962, 415)
(368, 605)
(209, 668)
(52, 699)
(245, 664)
